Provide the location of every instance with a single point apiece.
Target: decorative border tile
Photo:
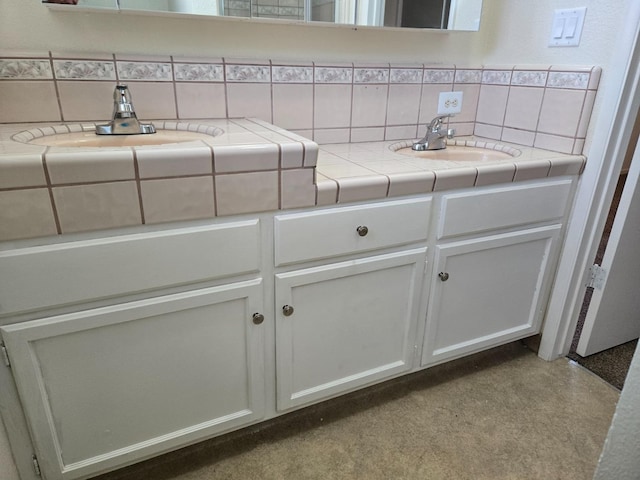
(371, 75)
(438, 76)
(145, 71)
(496, 77)
(333, 75)
(529, 78)
(406, 75)
(18, 69)
(576, 80)
(198, 72)
(468, 76)
(84, 70)
(292, 74)
(248, 73)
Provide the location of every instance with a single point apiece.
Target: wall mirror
(439, 14)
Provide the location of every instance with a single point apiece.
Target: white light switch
(567, 27)
(449, 103)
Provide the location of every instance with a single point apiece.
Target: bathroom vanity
(129, 342)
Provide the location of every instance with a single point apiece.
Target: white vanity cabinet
(104, 386)
(340, 326)
(495, 256)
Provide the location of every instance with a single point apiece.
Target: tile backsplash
(330, 102)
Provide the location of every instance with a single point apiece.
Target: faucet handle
(451, 132)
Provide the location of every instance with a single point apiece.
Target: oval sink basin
(458, 153)
(90, 139)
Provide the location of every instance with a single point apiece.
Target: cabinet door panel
(109, 386)
(352, 324)
(491, 292)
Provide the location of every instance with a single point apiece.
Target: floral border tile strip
(198, 72)
(437, 76)
(333, 75)
(577, 80)
(292, 74)
(248, 73)
(84, 70)
(468, 76)
(19, 69)
(145, 71)
(529, 78)
(496, 77)
(406, 75)
(371, 75)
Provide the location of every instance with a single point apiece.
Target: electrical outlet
(449, 103)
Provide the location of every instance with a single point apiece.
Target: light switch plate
(566, 27)
(449, 103)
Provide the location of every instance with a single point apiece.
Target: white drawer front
(332, 232)
(54, 275)
(471, 212)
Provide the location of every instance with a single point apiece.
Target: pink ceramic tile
(410, 183)
(153, 100)
(561, 110)
(520, 137)
(523, 107)
(249, 100)
(198, 100)
(83, 100)
(429, 101)
(565, 166)
(531, 169)
(245, 158)
(407, 132)
(369, 105)
(326, 191)
(355, 189)
(21, 171)
(93, 207)
(585, 116)
(488, 131)
(578, 147)
(291, 155)
(177, 199)
(462, 129)
(247, 192)
(332, 106)
(28, 101)
(403, 104)
(374, 134)
(89, 166)
(471, 93)
(491, 174)
(167, 161)
(492, 104)
(594, 79)
(293, 105)
(298, 188)
(311, 152)
(455, 178)
(331, 135)
(25, 214)
(553, 142)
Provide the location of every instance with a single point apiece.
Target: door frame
(611, 134)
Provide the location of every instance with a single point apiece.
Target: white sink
(90, 139)
(458, 153)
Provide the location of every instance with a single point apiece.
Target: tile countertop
(252, 167)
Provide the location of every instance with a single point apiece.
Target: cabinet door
(488, 291)
(353, 323)
(110, 386)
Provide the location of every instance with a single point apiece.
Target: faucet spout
(124, 120)
(436, 136)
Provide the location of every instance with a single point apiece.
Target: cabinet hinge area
(5, 355)
(597, 276)
(36, 466)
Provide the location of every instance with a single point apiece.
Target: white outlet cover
(449, 103)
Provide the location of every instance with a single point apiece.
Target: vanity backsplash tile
(538, 105)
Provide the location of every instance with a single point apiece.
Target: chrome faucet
(124, 120)
(435, 139)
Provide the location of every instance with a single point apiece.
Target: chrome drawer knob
(362, 230)
(258, 318)
(287, 310)
(444, 276)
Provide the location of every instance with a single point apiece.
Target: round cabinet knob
(362, 230)
(258, 318)
(287, 310)
(444, 276)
